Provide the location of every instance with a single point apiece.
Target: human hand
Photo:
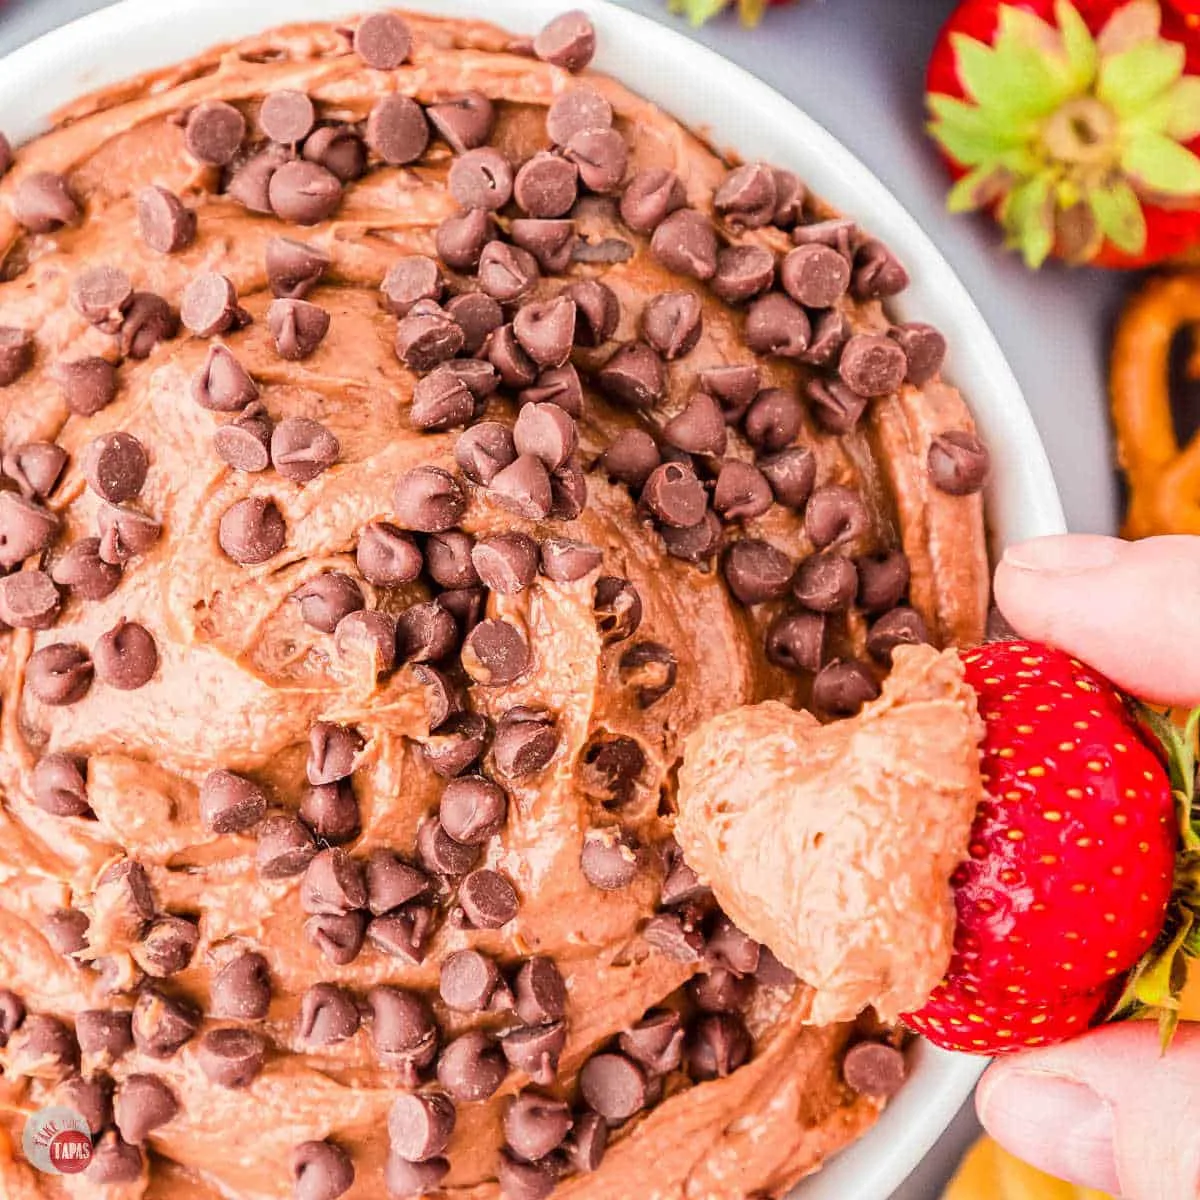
(1108, 1110)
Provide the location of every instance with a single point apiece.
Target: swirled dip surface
(338, 745)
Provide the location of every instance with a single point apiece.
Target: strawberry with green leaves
(1076, 122)
(1081, 897)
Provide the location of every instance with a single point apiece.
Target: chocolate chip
(789, 198)
(612, 1086)
(294, 268)
(523, 488)
(286, 116)
(734, 387)
(457, 744)
(535, 1050)
(836, 407)
(91, 1098)
(924, 349)
(568, 41)
(114, 1161)
(29, 600)
(252, 530)
(882, 580)
(878, 274)
(115, 466)
(546, 332)
(742, 491)
(675, 496)
(635, 377)
(427, 337)
(223, 384)
(742, 272)
(59, 674)
(601, 156)
(428, 500)
(321, 1170)
(507, 563)
(126, 657)
(101, 294)
(232, 1058)
(515, 368)
(597, 311)
(573, 112)
(534, 1126)
(391, 882)
(297, 328)
(481, 178)
(546, 185)
(59, 785)
(471, 1067)
(655, 1043)
(718, 1044)
(618, 608)
(397, 130)
(301, 449)
(386, 556)
(405, 1179)
(333, 752)
(367, 641)
(699, 428)
(477, 316)
(209, 305)
(526, 741)
(148, 321)
(959, 463)
(826, 583)
(668, 934)
(730, 948)
(464, 122)
(43, 202)
(167, 946)
(448, 559)
(842, 687)
(776, 324)
(425, 633)
(230, 803)
(419, 1126)
(403, 1031)
(328, 1015)
(672, 322)
(142, 1104)
(242, 988)
(104, 1034)
(631, 458)
(506, 272)
(161, 1023)
(441, 854)
(650, 197)
(250, 183)
(796, 641)
(214, 132)
(556, 385)
(339, 938)
(526, 1181)
(685, 242)
(443, 697)
(874, 1069)
(694, 545)
(12, 1013)
(467, 981)
(66, 930)
(545, 432)
(747, 197)
(839, 233)
(285, 848)
(757, 572)
(488, 899)
(901, 627)
(6, 154)
(608, 859)
(334, 883)
(814, 275)
(460, 240)
(835, 514)
(409, 279)
(650, 670)
(304, 192)
(830, 332)
(88, 384)
(872, 365)
(791, 474)
(383, 40)
(325, 599)
(245, 444)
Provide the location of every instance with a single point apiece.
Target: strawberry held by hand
(1075, 123)
(1073, 905)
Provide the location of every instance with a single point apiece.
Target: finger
(1107, 1111)
(1130, 609)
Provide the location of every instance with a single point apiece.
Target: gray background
(857, 66)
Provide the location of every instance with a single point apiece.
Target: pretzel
(1164, 479)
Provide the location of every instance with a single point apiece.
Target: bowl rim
(735, 109)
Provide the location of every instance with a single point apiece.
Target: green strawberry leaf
(1183, 100)
(1028, 218)
(751, 11)
(1129, 81)
(1119, 214)
(1130, 25)
(1012, 82)
(697, 11)
(1078, 44)
(1158, 165)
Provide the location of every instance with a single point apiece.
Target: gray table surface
(857, 66)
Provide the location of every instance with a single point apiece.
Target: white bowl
(733, 109)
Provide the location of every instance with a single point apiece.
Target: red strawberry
(1075, 122)
(1072, 858)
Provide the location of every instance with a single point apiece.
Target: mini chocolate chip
(409, 279)
(546, 331)
(789, 198)
(878, 274)
(523, 488)
(209, 305)
(507, 563)
(747, 197)
(165, 224)
(339, 938)
(427, 337)
(471, 1067)
(556, 385)
(526, 1180)
(732, 949)
(286, 116)
(326, 598)
(113, 1161)
(515, 368)
(328, 1015)
(428, 500)
(814, 275)
(477, 315)
(791, 474)
(826, 583)
(611, 768)
(959, 463)
(441, 854)
(650, 670)
(882, 580)
(573, 112)
(101, 294)
(59, 674)
(419, 1126)
(597, 311)
(757, 572)
(88, 384)
(383, 40)
(872, 365)
(776, 324)
(612, 1086)
(59, 785)
(333, 752)
(467, 980)
(285, 847)
(321, 1170)
(425, 633)
(667, 933)
(448, 559)
(481, 178)
(671, 323)
(842, 687)
(796, 641)
(214, 132)
(675, 496)
(534, 1126)
(297, 328)
(294, 268)
(742, 491)
(837, 407)
(601, 156)
(460, 239)
(733, 386)
(699, 428)
(874, 1069)
(718, 1044)
(162, 1024)
(565, 561)
(115, 466)
(840, 233)
(334, 883)
(635, 377)
(464, 122)
(835, 514)
(457, 744)
(391, 882)
(655, 1043)
(387, 556)
(535, 1050)
(29, 600)
(126, 657)
(148, 321)
(232, 1058)
(405, 1180)
(245, 443)
(104, 1035)
(397, 130)
(66, 930)
(167, 946)
(924, 349)
(304, 192)
(742, 272)
(301, 449)
(495, 653)
(506, 272)
(42, 202)
(142, 1104)
(12, 1013)
(568, 41)
(223, 384)
(587, 1142)
(608, 859)
(403, 1031)
(618, 608)
(631, 458)
(545, 432)
(252, 530)
(250, 183)
(231, 803)
(830, 332)
(488, 900)
(443, 697)
(685, 242)
(546, 185)
(901, 627)
(525, 742)
(367, 641)
(650, 197)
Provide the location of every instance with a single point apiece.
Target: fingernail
(1058, 1125)
(1065, 554)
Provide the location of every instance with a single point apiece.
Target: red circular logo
(70, 1151)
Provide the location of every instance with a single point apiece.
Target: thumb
(1129, 609)
(1108, 1111)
